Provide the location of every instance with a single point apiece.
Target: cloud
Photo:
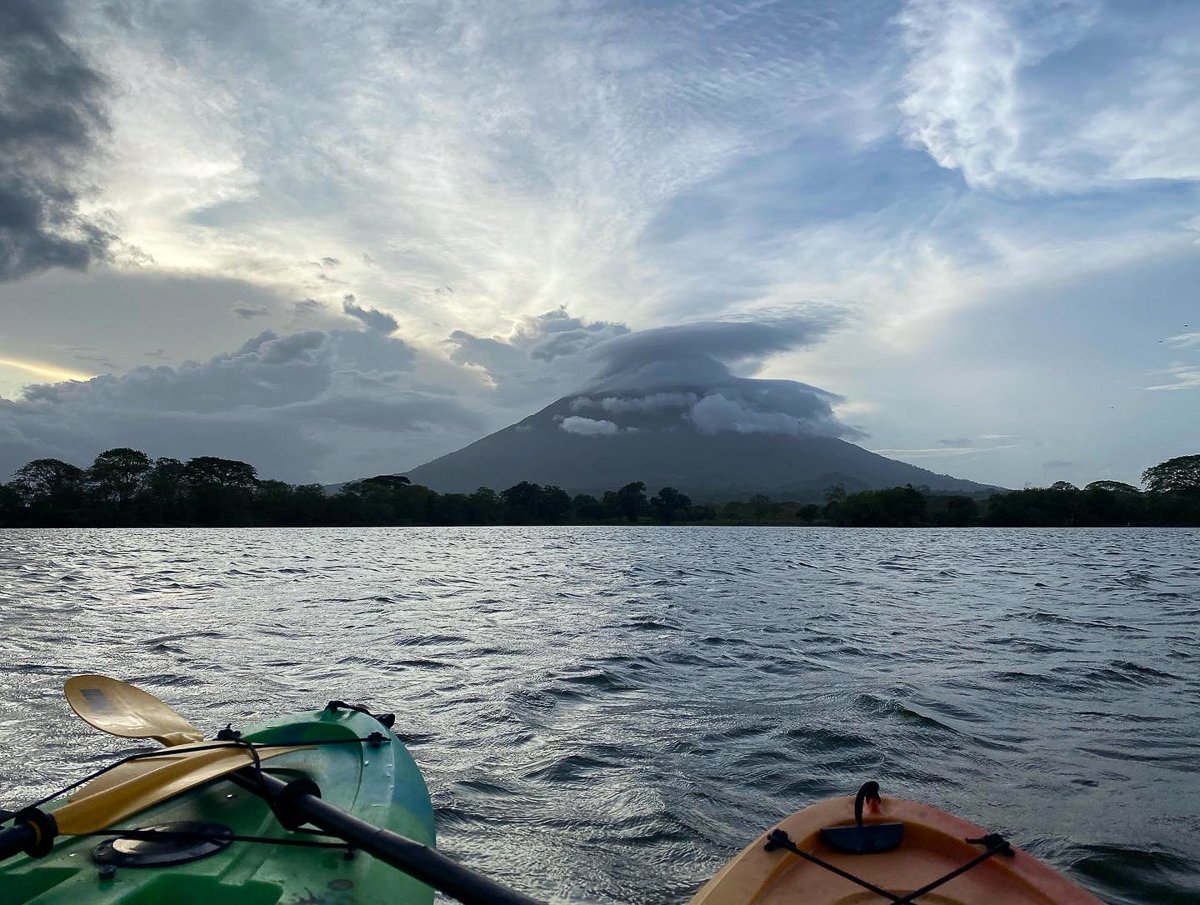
(312, 405)
(700, 354)
(964, 447)
(327, 404)
(1184, 341)
(1179, 377)
(245, 312)
(986, 92)
(667, 376)
(91, 356)
(650, 403)
(376, 320)
(588, 427)
(639, 378)
(51, 119)
(542, 357)
(716, 413)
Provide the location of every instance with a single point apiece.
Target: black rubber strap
(997, 845)
(156, 835)
(387, 719)
(780, 839)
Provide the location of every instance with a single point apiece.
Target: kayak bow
(900, 852)
(208, 822)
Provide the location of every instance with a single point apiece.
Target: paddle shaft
(15, 839)
(414, 858)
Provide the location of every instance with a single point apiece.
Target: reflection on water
(608, 714)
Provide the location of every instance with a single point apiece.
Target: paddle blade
(137, 785)
(118, 708)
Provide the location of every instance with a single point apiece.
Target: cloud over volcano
(684, 373)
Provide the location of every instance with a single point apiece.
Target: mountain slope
(660, 446)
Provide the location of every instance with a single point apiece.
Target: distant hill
(577, 444)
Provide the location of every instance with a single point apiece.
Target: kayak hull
(933, 844)
(377, 783)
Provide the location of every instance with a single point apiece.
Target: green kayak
(197, 852)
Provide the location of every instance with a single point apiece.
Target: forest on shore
(126, 488)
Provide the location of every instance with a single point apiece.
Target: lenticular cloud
(674, 377)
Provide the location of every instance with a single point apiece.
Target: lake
(608, 714)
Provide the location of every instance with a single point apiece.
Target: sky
(335, 238)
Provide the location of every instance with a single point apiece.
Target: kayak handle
(868, 792)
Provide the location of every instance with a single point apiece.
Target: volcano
(709, 445)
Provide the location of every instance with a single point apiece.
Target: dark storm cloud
(51, 117)
(376, 320)
(245, 312)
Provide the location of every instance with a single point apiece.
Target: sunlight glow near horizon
(44, 370)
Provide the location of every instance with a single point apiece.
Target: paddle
(121, 709)
(132, 787)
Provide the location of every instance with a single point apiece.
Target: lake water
(607, 714)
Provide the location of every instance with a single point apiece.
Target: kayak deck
(377, 783)
(933, 845)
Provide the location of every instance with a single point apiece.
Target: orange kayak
(898, 851)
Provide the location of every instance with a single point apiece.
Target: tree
(393, 481)
(896, 507)
(668, 504)
(221, 489)
(220, 472)
(1063, 486)
(117, 475)
(10, 506)
(485, 507)
(1181, 474)
(1112, 487)
(835, 497)
(521, 502)
(554, 504)
(47, 481)
(166, 492)
(310, 505)
(630, 501)
(587, 508)
(50, 490)
(961, 511)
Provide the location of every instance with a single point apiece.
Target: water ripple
(607, 714)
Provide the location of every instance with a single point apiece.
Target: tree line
(125, 487)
